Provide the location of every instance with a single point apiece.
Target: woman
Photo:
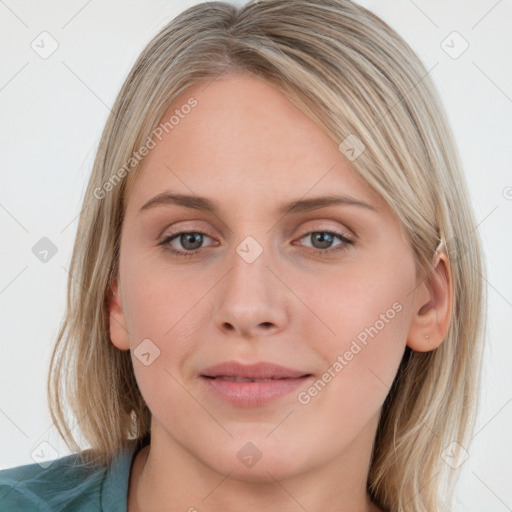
(276, 298)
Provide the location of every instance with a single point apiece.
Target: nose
(252, 301)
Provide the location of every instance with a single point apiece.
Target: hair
(351, 74)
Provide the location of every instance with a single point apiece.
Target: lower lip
(253, 394)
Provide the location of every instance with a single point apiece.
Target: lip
(280, 381)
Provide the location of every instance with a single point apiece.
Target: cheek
(161, 311)
(368, 315)
(157, 298)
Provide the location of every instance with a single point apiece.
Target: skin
(248, 148)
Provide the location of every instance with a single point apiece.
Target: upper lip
(261, 370)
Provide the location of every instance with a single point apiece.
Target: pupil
(194, 238)
(325, 239)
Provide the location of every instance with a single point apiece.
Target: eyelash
(322, 252)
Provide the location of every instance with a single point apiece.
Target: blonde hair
(353, 75)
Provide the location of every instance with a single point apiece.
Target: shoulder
(67, 483)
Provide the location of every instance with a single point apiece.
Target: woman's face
(325, 290)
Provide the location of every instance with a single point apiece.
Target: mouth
(242, 379)
(252, 385)
(262, 371)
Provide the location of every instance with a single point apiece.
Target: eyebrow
(301, 205)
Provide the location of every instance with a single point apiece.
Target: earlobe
(432, 307)
(117, 323)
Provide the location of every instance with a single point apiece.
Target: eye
(191, 242)
(322, 241)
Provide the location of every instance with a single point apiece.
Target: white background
(53, 111)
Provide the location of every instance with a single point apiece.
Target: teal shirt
(66, 485)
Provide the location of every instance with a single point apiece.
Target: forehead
(244, 140)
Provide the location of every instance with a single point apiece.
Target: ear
(432, 307)
(117, 324)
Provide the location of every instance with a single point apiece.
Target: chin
(257, 461)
